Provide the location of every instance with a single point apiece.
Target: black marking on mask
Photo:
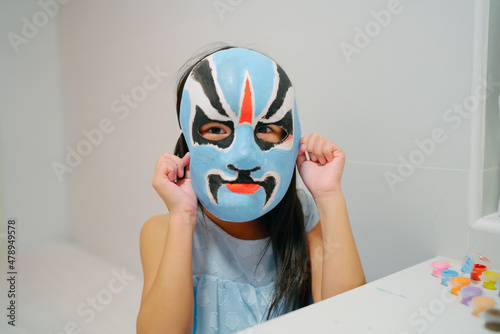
(286, 123)
(203, 74)
(215, 181)
(200, 119)
(283, 86)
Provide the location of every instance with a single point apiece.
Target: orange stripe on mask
(246, 105)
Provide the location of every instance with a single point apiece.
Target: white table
(409, 301)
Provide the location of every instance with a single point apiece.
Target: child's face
(239, 118)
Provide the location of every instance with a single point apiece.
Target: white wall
(484, 242)
(491, 166)
(31, 125)
(395, 91)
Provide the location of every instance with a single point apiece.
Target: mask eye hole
(270, 133)
(214, 131)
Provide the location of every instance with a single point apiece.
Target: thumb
(185, 164)
(301, 156)
(186, 159)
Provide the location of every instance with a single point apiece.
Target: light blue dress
(231, 291)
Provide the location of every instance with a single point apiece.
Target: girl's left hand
(323, 171)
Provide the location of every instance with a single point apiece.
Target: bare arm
(335, 263)
(341, 267)
(167, 303)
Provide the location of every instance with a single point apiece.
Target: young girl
(240, 244)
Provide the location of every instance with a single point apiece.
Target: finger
(302, 148)
(337, 152)
(163, 168)
(328, 151)
(175, 166)
(184, 164)
(304, 140)
(172, 157)
(311, 139)
(318, 149)
(311, 142)
(301, 157)
(171, 170)
(163, 161)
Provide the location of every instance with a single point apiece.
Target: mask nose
(245, 153)
(243, 174)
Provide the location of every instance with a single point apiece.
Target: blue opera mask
(240, 177)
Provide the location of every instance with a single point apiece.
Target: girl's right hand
(177, 193)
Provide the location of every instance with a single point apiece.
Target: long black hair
(284, 225)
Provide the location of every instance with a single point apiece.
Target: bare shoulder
(155, 228)
(153, 235)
